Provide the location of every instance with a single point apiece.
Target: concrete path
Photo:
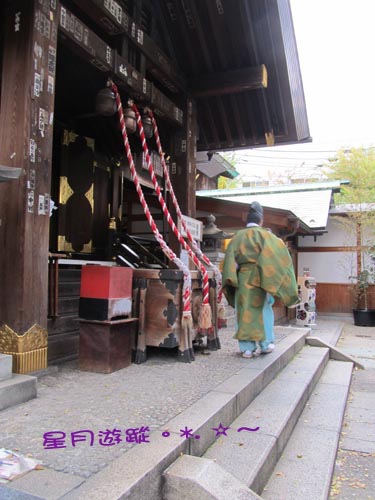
(355, 465)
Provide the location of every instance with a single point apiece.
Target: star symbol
(187, 433)
(221, 430)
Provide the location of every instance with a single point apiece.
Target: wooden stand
(157, 301)
(106, 346)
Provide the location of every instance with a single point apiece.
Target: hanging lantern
(105, 103)
(147, 126)
(130, 120)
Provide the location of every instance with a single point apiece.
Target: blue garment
(268, 319)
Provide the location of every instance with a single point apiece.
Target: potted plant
(361, 217)
(363, 268)
(361, 288)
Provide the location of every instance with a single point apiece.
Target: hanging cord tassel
(205, 319)
(186, 288)
(193, 243)
(205, 316)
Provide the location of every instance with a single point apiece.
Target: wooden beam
(132, 197)
(142, 217)
(183, 179)
(229, 82)
(224, 120)
(333, 249)
(213, 128)
(199, 32)
(249, 110)
(92, 48)
(179, 33)
(217, 27)
(85, 41)
(183, 169)
(237, 118)
(252, 41)
(114, 20)
(131, 79)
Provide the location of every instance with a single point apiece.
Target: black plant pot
(364, 317)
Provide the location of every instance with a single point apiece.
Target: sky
(335, 42)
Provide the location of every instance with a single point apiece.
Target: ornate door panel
(76, 203)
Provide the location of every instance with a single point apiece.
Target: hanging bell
(147, 126)
(105, 103)
(130, 120)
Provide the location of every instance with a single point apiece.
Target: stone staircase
(299, 415)
(296, 396)
(14, 389)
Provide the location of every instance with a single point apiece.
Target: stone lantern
(213, 238)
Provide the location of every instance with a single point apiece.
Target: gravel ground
(141, 395)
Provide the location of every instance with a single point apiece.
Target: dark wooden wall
(204, 182)
(280, 313)
(338, 298)
(63, 330)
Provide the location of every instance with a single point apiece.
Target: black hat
(256, 207)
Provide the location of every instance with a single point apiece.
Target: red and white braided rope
(193, 243)
(186, 291)
(198, 264)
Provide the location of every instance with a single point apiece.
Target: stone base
(29, 351)
(27, 362)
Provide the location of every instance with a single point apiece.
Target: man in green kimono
(257, 266)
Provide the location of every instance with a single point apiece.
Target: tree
(357, 166)
(358, 196)
(226, 182)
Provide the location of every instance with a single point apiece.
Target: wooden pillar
(26, 121)
(183, 164)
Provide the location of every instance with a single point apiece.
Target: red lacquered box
(106, 292)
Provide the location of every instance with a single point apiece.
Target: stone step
(139, 472)
(5, 366)
(16, 390)
(193, 477)
(9, 494)
(251, 456)
(305, 469)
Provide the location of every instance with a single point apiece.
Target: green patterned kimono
(256, 262)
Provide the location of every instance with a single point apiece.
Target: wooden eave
(238, 59)
(217, 40)
(232, 216)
